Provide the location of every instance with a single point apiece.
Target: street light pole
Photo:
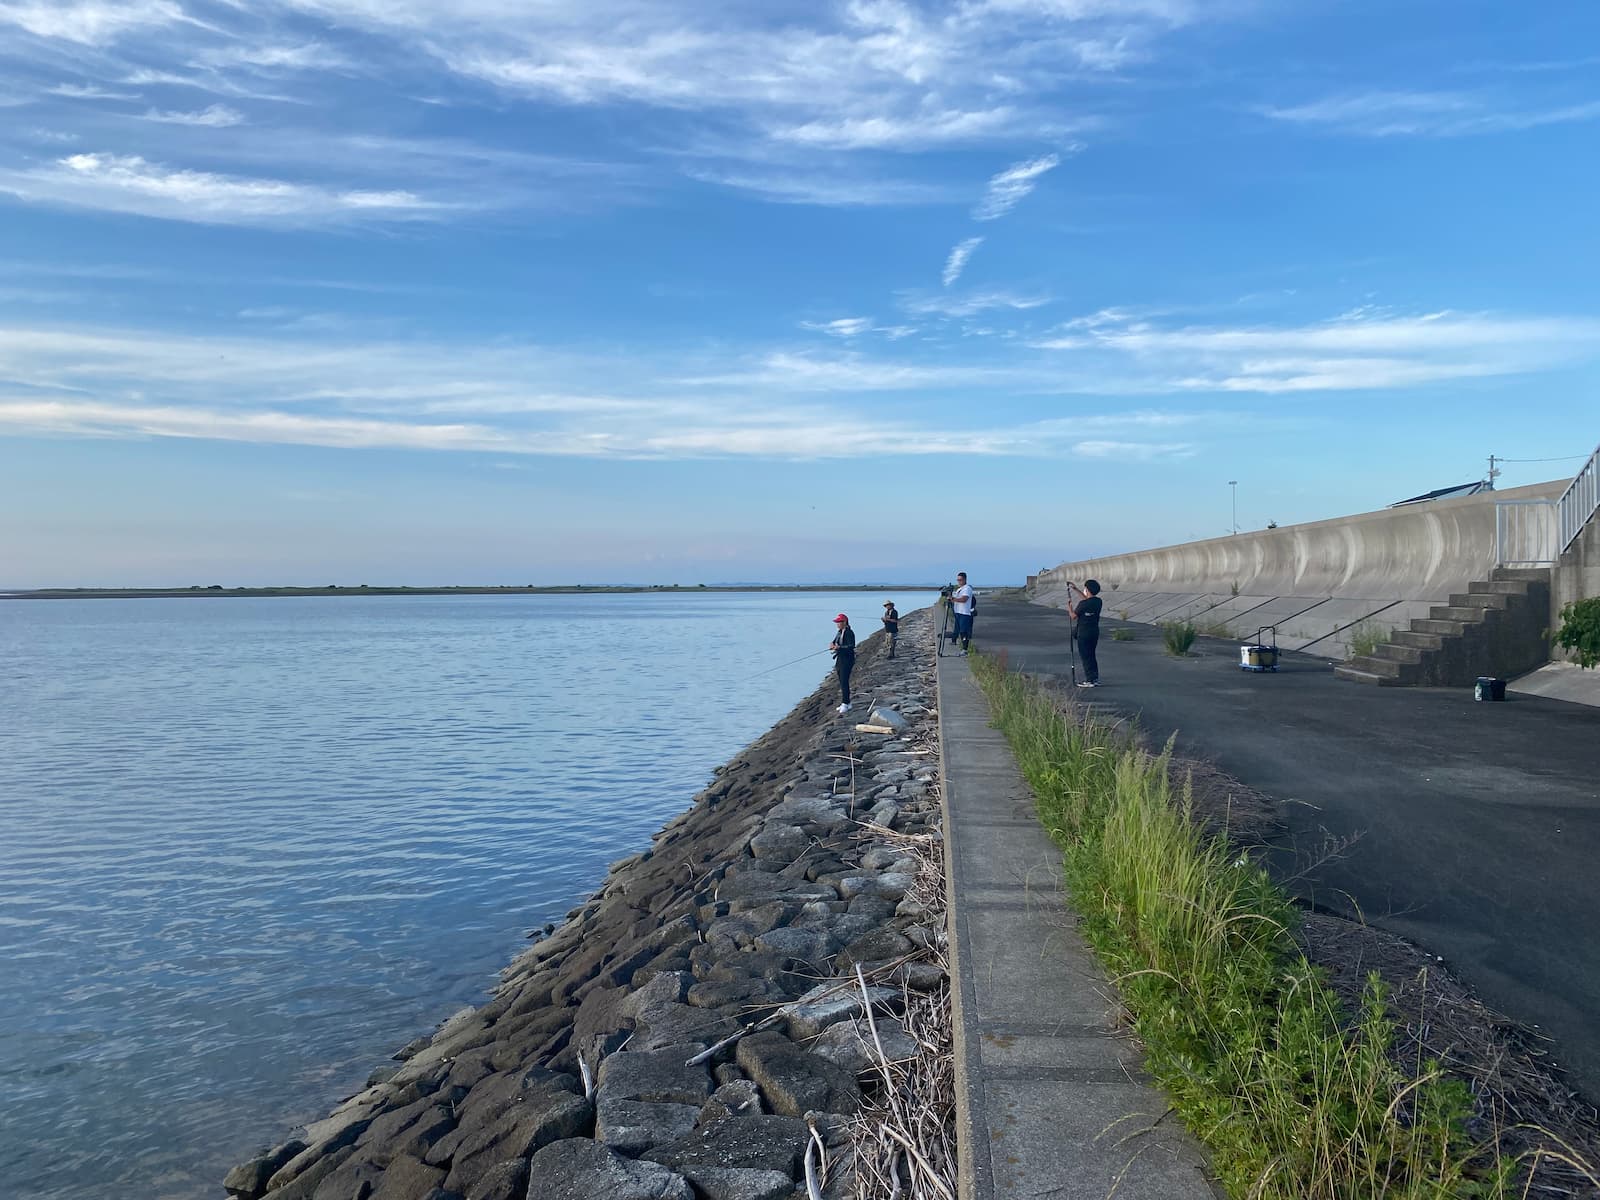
(1234, 484)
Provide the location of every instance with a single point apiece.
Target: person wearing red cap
(844, 657)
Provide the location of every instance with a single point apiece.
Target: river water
(250, 847)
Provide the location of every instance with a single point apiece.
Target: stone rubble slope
(609, 1063)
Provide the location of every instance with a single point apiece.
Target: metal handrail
(1578, 503)
(1524, 533)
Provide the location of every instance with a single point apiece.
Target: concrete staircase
(1496, 627)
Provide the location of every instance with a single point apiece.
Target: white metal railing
(1578, 503)
(1525, 533)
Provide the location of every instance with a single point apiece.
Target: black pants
(1087, 645)
(842, 666)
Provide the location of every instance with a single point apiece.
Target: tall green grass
(1295, 1097)
(1178, 637)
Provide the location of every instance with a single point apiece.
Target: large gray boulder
(656, 1076)
(631, 1126)
(407, 1178)
(578, 1169)
(725, 1183)
(831, 1002)
(249, 1179)
(849, 1046)
(507, 1180)
(754, 1143)
(795, 1081)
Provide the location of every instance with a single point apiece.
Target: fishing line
(781, 666)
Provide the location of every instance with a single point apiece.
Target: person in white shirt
(963, 602)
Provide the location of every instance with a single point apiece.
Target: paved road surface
(1480, 823)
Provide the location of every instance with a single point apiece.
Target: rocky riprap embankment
(588, 1074)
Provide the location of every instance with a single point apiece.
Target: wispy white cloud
(1133, 451)
(88, 91)
(51, 137)
(831, 436)
(217, 116)
(276, 56)
(971, 304)
(842, 327)
(803, 186)
(918, 132)
(1007, 189)
(849, 328)
(129, 184)
(1435, 114)
(498, 400)
(831, 86)
(89, 22)
(787, 371)
(1358, 352)
(957, 261)
(857, 76)
(205, 80)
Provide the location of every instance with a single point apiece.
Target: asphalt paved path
(1479, 823)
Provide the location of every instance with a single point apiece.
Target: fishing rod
(1072, 630)
(781, 666)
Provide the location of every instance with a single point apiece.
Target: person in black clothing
(1087, 616)
(891, 624)
(844, 657)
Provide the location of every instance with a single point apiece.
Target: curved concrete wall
(1386, 566)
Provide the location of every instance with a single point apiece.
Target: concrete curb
(1049, 1100)
(969, 1147)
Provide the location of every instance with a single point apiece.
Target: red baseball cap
(841, 617)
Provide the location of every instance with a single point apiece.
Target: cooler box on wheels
(1260, 655)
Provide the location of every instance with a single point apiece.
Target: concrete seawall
(1316, 582)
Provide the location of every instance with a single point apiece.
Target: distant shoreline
(218, 592)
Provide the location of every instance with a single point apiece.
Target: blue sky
(641, 290)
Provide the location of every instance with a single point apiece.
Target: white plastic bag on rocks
(888, 716)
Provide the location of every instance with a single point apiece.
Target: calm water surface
(249, 847)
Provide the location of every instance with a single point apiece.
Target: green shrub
(1580, 631)
(1178, 637)
(1122, 635)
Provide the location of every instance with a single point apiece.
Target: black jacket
(844, 643)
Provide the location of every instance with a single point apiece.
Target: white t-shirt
(963, 600)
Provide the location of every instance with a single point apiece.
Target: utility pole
(1493, 471)
(1234, 484)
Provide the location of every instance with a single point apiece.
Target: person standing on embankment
(1087, 617)
(891, 624)
(964, 603)
(844, 657)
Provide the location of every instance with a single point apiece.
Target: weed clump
(1366, 636)
(1178, 637)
